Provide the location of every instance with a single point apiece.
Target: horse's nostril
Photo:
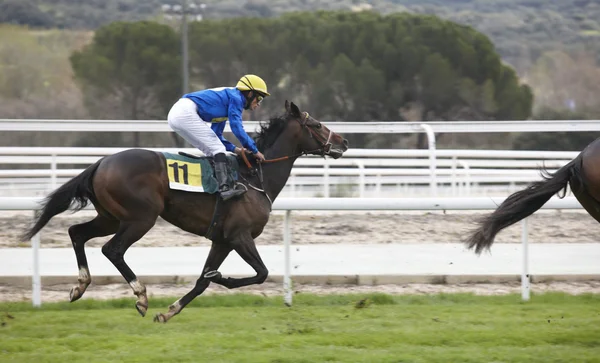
(346, 143)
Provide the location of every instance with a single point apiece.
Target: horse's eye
(319, 125)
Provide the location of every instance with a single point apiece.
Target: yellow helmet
(250, 82)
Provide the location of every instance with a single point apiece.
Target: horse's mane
(269, 132)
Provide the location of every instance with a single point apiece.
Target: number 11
(176, 167)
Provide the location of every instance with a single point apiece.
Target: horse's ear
(287, 106)
(294, 110)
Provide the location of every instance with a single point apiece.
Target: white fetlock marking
(84, 274)
(137, 287)
(175, 307)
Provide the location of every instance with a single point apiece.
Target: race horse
(582, 174)
(130, 190)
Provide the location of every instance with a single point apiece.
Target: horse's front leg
(218, 252)
(246, 248)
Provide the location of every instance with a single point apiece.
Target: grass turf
(334, 328)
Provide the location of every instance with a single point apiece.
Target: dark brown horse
(582, 174)
(130, 190)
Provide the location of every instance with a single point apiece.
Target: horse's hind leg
(246, 248)
(127, 234)
(81, 233)
(216, 256)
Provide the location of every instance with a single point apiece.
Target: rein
(247, 162)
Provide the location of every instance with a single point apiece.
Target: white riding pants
(184, 120)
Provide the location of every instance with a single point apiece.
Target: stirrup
(231, 193)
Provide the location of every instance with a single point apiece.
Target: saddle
(194, 173)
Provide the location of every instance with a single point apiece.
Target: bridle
(325, 145)
(324, 148)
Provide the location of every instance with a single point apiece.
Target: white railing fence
(429, 128)
(394, 127)
(331, 204)
(361, 172)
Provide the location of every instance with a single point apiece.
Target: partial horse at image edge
(582, 174)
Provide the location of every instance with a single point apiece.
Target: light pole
(183, 11)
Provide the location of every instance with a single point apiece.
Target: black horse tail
(77, 192)
(523, 203)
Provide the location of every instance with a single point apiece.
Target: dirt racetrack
(332, 227)
(321, 227)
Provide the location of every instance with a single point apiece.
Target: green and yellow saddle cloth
(196, 174)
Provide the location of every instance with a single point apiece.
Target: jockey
(200, 117)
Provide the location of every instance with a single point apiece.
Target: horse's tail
(522, 204)
(77, 191)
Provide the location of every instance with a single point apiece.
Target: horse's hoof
(75, 293)
(212, 275)
(141, 308)
(160, 318)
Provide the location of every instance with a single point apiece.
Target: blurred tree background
(341, 60)
(363, 67)
(130, 71)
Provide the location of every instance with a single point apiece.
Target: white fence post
(525, 285)
(36, 280)
(453, 179)
(293, 185)
(361, 178)
(287, 241)
(326, 178)
(53, 167)
(432, 160)
(467, 177)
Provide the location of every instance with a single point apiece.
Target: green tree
(130, 71)
(363, 66)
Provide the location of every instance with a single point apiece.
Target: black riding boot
(226, 187)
